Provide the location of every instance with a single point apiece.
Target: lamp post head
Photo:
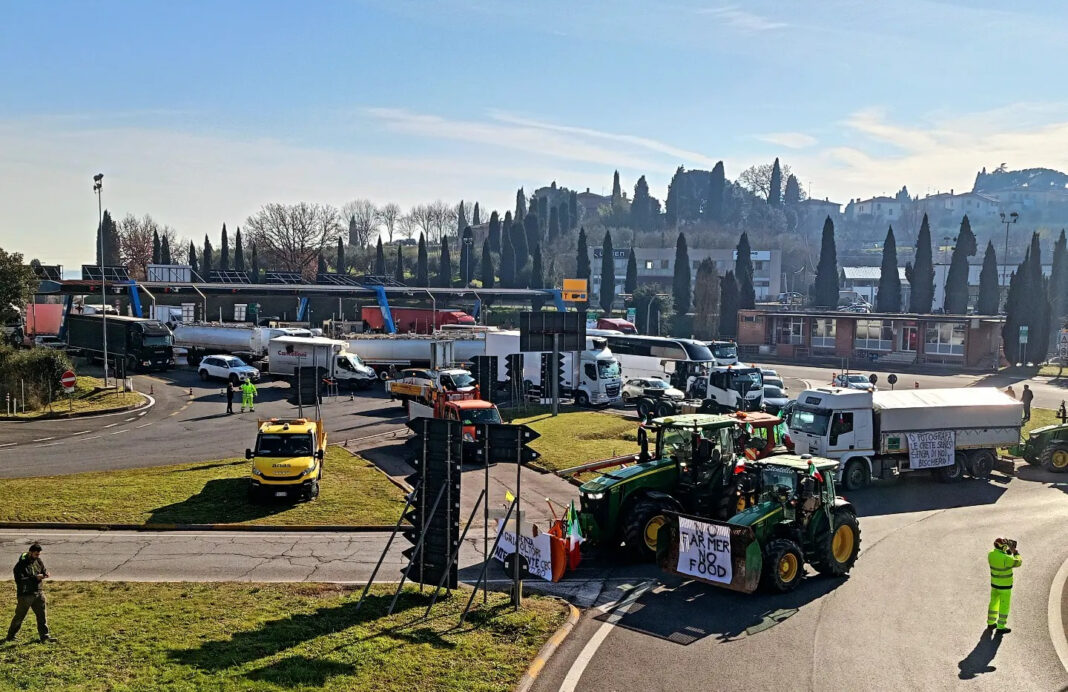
(98, 182)
(1015, 217)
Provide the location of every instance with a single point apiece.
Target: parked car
(775, 398)
(229, 368)
(791, 298)
(774, 380)
(638, 387)
(855, 307)
(49, 342)
(854, 381)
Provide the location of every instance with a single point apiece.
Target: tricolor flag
(813, 472)
(574, 531)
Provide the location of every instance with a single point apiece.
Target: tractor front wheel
(1055, 458)
(837, 550)
(643, 525)
(784, 566)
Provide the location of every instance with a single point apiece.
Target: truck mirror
(319, 455)
(248, 454)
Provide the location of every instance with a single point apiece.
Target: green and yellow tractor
(1047, 446)
(796, 519)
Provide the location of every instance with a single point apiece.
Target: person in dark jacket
(1026, 397)
(230, 397)
(30, 572)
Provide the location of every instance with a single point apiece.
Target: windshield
(233, 363)
(474, 416)
(743, 381)
(813, 422)
(607, 369)
(656, 384)
(772, 478)
(858, 379)
(725, 351)
(349, 362)
(157, 340)
(773, 392)
(457, 380)
(284, 445)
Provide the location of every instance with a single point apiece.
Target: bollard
(151, 389)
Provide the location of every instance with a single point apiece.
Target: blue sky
(198, 113)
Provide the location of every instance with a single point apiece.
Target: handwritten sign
(931, 450)
(537, 551)
(704, 550)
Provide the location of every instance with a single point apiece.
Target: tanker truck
(242, 340)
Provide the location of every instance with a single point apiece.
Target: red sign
(68, 379)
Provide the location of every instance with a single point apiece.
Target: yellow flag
(508, 496)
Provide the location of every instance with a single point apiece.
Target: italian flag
(813, 472)
(574, 531)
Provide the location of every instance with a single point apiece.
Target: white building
(878, 208)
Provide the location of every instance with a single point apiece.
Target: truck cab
(724, 352)
(600, 378)
(834, 423)
(419, 384)
(287, 461)
(732, 388)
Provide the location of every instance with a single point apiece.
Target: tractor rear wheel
(784, 566)
(838, 548)
(955, 471)
(1055, 458)
(643, 524)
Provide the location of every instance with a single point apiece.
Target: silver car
(229, 368)
(649, 386)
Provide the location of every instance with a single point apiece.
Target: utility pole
(1008, 221)
(98, 186)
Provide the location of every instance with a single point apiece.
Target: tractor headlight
(595, 496)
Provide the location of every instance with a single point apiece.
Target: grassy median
(273, 636)
(89, 396)
(353, 492)
(579, 436)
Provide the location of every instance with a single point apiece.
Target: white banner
(930, 450)
(536, 549)
(704, 550)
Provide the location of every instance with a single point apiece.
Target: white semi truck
(244, 340)
(879, 434)
(325, 358)
(731, 388)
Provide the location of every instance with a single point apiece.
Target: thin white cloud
(790, 140)
(741, 20)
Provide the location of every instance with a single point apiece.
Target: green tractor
(1047, 446)
(691, 468)
(796, 519)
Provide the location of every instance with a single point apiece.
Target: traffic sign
(574, 290)
(68, 380)
(1023, 333)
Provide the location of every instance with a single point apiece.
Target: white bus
(677, 360)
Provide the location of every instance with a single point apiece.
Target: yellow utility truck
(288, 459)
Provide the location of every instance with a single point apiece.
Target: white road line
(45, 439)
(81, 433)
(145, 425)
(142, 413)
(570, 683)
(130, 419)
(119, 432)
(9, 444)
(111, 425)
(94, 437)
(1055, 618)
(50, 444)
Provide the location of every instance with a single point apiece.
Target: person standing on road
(230, 397)
(1010, 391)
(30, 572)
(1026, 396)
(1003, 559)
(248, 394)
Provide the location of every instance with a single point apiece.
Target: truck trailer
(413, 320)
(213, 338)
(139, 344)
(880, 434)
(319, 357)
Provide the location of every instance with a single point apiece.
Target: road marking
(175, 413)
(142, 413)
(1055, 619)
(9, 444)
(570, 682)
(81, 433)
(119, 432)
(111, 425)
(50, 444)
(145, 425)
(130, 419)
(94, 437)
(45, 439)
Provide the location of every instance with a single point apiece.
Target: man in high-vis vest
(1003, 559)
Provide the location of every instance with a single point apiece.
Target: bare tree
(135, 242)
(422, 216)
(389, 215)
(757, 179)
(444, 217)
(366, 215)
(293, 235)
(406, 226)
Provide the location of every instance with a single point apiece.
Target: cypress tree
(422, 273)
(112, 246)
(255, 266)
(671, 204)
(706, 300)
(536, 278)
(475, 220)
(582, 258)
(888, 299)
(641, 212)
(565, 217)
(520, 204)
(341, 267)
(989, 292)
(631, 282)
(98, 245)
(155, 247)
(321, 268)
(507, 260)
(1041, 312)
(192, 257)
(354, 232)
(921, 274)
(608, 274)
(494, 233)
(522, 252)
(680, 285)
(775, 192)
(1027, 305)
(793, 191)
(398, 268)
(532, 229)
(444, 264)
(206, 257)
(467, 258)
(956, 300)
(617, 190)
(543, 218)
(554, 224)
(487, 265)
(743, 274)
(239, 253)
(728, 306)
(165, 251)
(461, 219)
(1058, 287)
(825, 286)
(572, 209)
(380, 258)
(716, 185)
(224, 252)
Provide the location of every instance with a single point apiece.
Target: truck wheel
(856, 475)
(838, 547)
(1055, 458)
(982, 463)
(784, 566)
(953, 473)
(642, 526)
(312, 492)
(203, 375)
(664, 409)
(709, 406)
(626, 398)
(582, 399)
(644, 408)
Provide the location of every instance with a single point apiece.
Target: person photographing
(30, 573)
(1003, 559)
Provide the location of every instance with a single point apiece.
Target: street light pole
(1011, 219)
(470, 243)
(98, 186)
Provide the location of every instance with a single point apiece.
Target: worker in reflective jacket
(248, 394)
(1003, 560)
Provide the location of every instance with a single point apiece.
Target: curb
(550, 647)
(263, 528)
(146, 402)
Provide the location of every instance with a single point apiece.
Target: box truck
(139, 344)
(320, 358)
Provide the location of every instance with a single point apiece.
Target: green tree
(341, 267)
(921, 274)
(321, 268)
(398, 267)
(155, 246)
(641, 209)
(112, 256)
(743, 273)
(793, 191)
(522, 251)
(487, 265)
(461, 219)
(608, 274)
(888, 299)
(192, 257)
(422, 272)
(255, 266)
(17, 285)
(956, 301)
(494, 233)
(775, 195)
(520, 204)
(617, 190)
(706, 300)
(989, 292)
(572, 209)
(554, 224)
(536, 279)
(1058, 287)
(652, 309)
(467, 256)
(565, 217)
(680, 285)
(507, 259)
(825, 286)
(543, 219)
(582, 258)
(165, 251)
(475, 218)
(533, 233)
(631, 282)
(1027, 305)
(713, 208)
(728, 306)
(224, 252)
(206, 257)
(671, 204)
(380, 258)
(239, 252)
(444, 264)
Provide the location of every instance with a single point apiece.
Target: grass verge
(89, 396)
(353, 492)
(273, 636)
(579, 436)
(1054, 370)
